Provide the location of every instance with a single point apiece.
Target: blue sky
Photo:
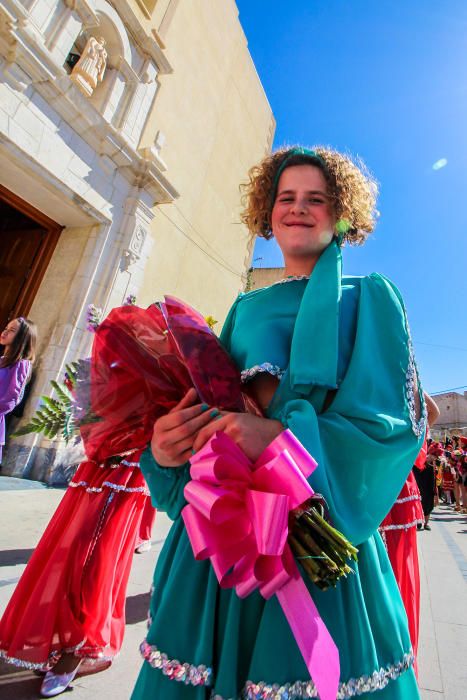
(387, 81)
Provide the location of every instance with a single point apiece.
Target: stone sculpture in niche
(90, 69)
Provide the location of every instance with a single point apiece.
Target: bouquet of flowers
(143, 362)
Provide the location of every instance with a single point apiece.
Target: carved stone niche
(132, 254)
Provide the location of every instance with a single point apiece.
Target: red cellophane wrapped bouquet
(143, 362)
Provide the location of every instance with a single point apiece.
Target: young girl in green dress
(328, 357)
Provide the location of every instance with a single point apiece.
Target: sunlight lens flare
(441, 163)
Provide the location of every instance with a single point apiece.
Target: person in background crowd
(399, 533)
(438, 467)
(425, 478)
(424, 472)
(67, 613)
(463, 469)
(457, 461)
(449, 474)
(18, 341)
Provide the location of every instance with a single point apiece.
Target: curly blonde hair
(352, 189)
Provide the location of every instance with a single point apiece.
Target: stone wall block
(44, 111)
(65, 132)
(28, 121)
(41, 13)
(10, 100)
(76, 183)
(61, 334)
(82, 149)
(120, 183)
(51, 358)
(79, 167)
(3, 121)
(54, 154)
(22, 138)
(111, 112)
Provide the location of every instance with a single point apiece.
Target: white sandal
(56, 683)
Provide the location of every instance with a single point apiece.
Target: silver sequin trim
(251, 372)
(300, 690)
(45, 665)
(418, 426)
(292, 278)
(123, 463)
(20, 663)
(306, 689)
(110, 485)
(129, 464)
(405, 526)
(408, 498)
(174, 669)
(97, 659)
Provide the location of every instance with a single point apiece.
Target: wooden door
(27, 241)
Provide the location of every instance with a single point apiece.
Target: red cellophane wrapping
(143, 362)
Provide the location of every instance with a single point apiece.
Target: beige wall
(264, 276)
(453, 410)
(217, 122)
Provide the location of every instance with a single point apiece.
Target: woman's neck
(299, 267)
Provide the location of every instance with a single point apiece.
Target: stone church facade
(125, 128)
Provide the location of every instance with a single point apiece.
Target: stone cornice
(102, 137)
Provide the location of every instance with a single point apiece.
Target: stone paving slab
(443, 637)
(11, 483)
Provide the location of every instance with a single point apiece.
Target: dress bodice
(265, 346)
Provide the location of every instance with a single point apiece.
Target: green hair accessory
(343, 226)
(299, 151)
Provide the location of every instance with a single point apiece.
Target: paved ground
(443, 554)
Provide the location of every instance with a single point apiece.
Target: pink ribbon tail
(313, 639)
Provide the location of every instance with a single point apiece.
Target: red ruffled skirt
(71, 596)
(399, 533)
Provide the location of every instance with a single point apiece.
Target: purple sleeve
(12, 384)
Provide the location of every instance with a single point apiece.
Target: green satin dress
(347, 334)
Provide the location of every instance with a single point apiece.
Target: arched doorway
(27, 240)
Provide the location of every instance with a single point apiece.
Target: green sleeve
(367, 440)
(166, 484)
(226, 333)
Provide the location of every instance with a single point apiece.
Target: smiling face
(302, 218)
(9, 334)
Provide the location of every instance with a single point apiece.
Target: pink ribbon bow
(237, 516)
